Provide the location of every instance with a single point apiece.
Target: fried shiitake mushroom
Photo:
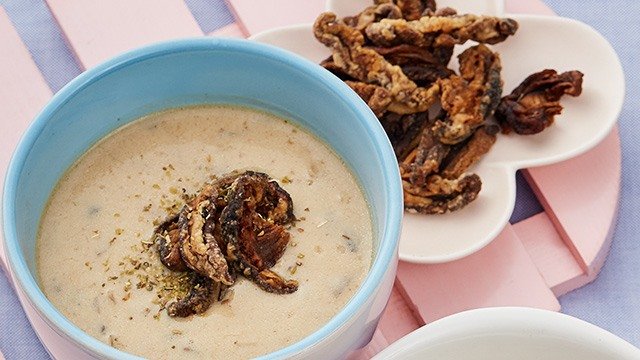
(253, 228)
(532, 106)
(233, 226)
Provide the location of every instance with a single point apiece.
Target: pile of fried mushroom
(233, 226)
(395, 55)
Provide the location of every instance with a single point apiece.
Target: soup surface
(98, 266)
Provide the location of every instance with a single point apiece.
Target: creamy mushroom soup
(99, 265)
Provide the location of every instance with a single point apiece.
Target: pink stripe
(377, 344)
(398, 319)
(550, 254)
(257, 16)
(98, 30)
(231, 30)
(501, 274)
(582, 211)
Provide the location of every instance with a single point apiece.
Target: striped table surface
(539, 257)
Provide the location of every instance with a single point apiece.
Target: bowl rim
(389, 239)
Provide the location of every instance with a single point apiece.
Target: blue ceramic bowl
(200, 71)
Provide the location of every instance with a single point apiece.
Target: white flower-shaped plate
(542, 42)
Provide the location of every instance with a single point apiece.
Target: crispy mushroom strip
(414, 9)
(481, 67)
(202, 294)
(461, 158)
(371, 14)
(199, 249)
(375, 96)
(471, 97)
(531, 107)
(253, 227)
(167, 238)
(336, 70)
(430, 189)
(418, 64)
(368, 66)
(404, 131)
(423, 161)
(438, 31)
(222, 187)
(443, 52)
(442, 195)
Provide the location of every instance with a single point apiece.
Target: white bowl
(510, 333)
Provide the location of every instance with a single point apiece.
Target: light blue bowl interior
(193, 72)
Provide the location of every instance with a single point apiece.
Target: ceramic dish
(510, 333)
(199, 71)
(541, 42)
